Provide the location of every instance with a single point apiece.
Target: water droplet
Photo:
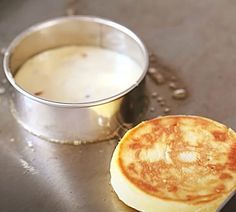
(180, 93)
(154, 94)
(152, 109)
(160, 99)
(2, 90)
(166, 110)
(172, 85)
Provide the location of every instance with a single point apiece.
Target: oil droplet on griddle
(172, 85)
(156, 75)
(154, 94)
(166, 110)
(180, 93)
(152, 70)
(152, 109)
(158, 78)
(160, 99)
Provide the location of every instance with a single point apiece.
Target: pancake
(175, 163)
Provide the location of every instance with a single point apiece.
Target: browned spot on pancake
(205, 198)
(219, 136)
(225, 176)
(216, 167)
(165, 173)
(135, 146)
(220, 188)
(147, 186)
(132, 168)
(232, 158)
(147, 170)
(172, 188)
(202, 122)
(148, 140)
(137, 153)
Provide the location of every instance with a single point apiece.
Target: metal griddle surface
(195, 39)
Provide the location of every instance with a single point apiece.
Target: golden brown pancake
(175, 163)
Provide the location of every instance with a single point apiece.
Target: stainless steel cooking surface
(194, 41)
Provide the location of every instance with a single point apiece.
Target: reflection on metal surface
(131, 116)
